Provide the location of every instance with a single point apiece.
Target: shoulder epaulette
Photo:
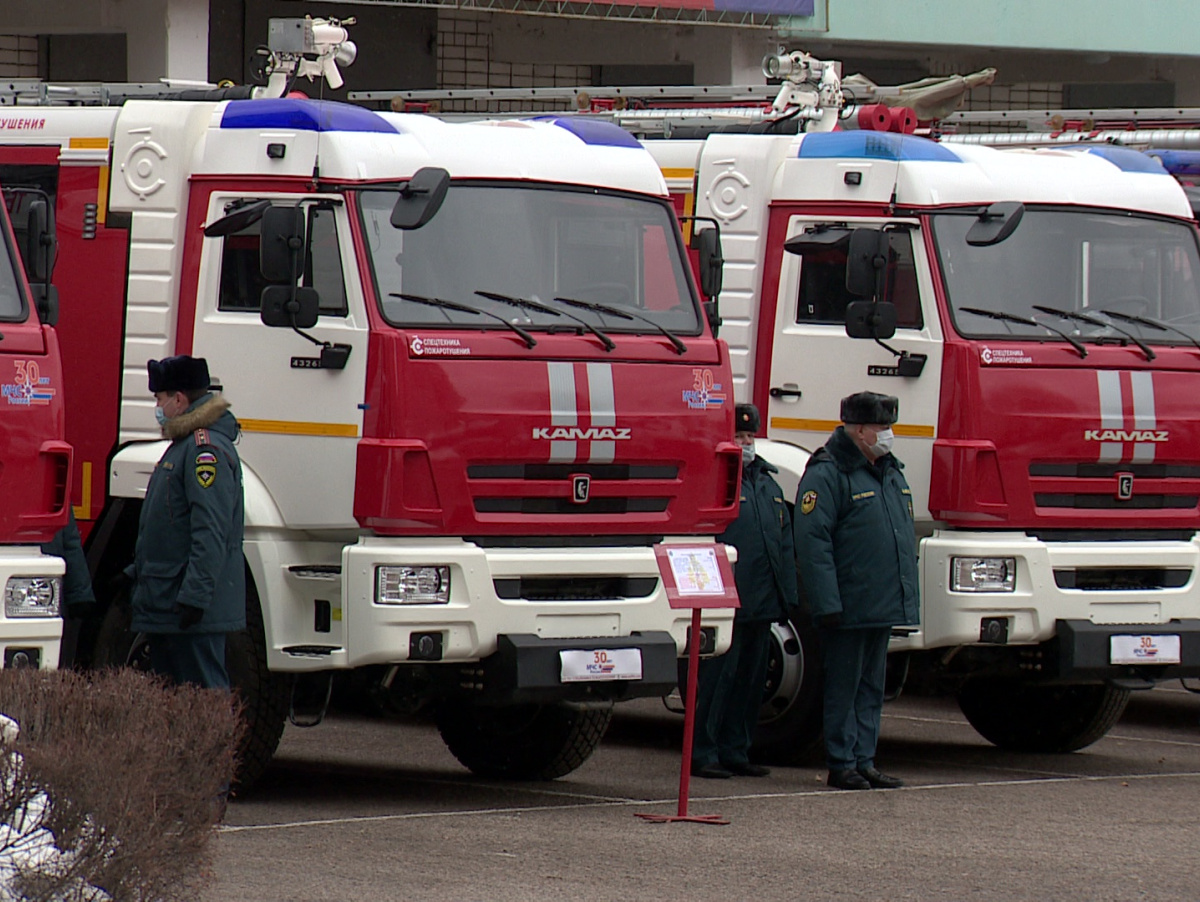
(202, 437)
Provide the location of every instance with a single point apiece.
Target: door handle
(785, 393)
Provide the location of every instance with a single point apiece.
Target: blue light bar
(1128, 160)
(302, 115)
(590, 131)
(871, 145)
(1178, 162)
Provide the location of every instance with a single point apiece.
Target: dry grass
(135, 771)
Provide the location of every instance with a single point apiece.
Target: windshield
(532, 244)
(1126, 272)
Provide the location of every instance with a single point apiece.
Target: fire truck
(1036, 312)
(480, 399)
(35, 459)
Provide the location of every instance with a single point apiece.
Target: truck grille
(1121, 579)
(575, 588)
(548, 488)
(1096, 486)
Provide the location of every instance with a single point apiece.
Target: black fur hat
(870, 407)
(745, 418)
(181, 373)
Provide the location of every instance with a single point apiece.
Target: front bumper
(1042, 597)
(526, 668)
(29, 641)
(1084, 649)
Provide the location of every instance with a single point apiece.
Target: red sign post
(695, 577)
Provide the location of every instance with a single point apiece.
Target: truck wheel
(789, 722)
(1028, 717)
(522, 742)
(265, 696)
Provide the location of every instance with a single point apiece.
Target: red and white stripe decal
(565, 409)
(1113, 385)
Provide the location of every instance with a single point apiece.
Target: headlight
(983, 574)
(412, 585)
(32, 596)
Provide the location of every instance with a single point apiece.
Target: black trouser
(729, 692)
(855, 669)
(197, 658)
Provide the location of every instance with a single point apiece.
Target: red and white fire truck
(1037, 312)
(35, 459)
(477, 390)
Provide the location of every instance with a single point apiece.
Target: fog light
(708, 639)
(412, 585)
(983, 574)
(32, 596)
(425, 647)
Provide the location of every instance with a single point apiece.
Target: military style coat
(855, 546)
(189, 544)
(765, 572)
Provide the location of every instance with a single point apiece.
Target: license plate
(1143, 649)
(601, 664)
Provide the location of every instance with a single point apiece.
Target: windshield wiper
(1026, 321)
(1094, 321)
(528, 304)
(463, 308)
(1152, 323)
(680, 347)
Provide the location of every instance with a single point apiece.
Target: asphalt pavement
(363, 809)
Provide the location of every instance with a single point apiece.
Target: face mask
(884, 439)
(747, 454)
(161, 416)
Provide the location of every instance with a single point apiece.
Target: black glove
(189, 616)
(829, 621)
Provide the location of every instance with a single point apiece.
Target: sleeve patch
(206, 469)
(808, 502)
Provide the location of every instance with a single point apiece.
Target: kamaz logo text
(1123, 435)
(581, 434)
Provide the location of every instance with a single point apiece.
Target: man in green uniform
(189, 578)
(730, 687)
(857, 558)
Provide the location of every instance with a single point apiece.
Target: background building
(1073, 53)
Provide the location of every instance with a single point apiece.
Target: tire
(1028, 717)
(789, 721)
(265, 696)
(522, 742)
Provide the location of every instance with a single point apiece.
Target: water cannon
(811, 89)
(308, 47)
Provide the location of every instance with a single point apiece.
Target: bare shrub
(136, 773)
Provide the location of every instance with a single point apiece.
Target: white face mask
(748, 453)
(884, 439)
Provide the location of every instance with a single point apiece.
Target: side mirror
(420, 198)
(281, 244)
(295, 308)
(995, 223)
(712, 262)
(41, 245)
(866, 262)
(870, 319)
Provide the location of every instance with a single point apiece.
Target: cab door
(300, 422)
(814, 363)
(34, 458)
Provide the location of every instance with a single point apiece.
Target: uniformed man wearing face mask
(857, 559)
(730, 687)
